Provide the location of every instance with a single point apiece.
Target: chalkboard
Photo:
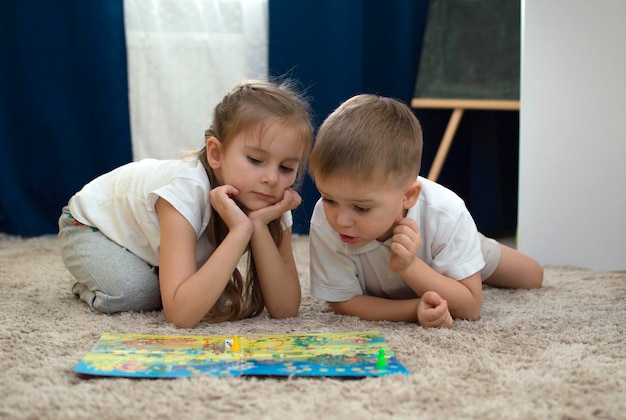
(471, 50)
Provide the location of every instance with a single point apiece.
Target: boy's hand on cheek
(291, 199)
(405, 242)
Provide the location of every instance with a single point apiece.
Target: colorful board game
(356, 354)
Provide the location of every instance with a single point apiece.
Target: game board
(356, 354)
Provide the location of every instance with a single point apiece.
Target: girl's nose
(270, 176)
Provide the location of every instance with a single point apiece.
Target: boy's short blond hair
(368, 137)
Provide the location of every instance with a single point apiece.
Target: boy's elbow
(474, 315)
(348, 308)
(475, 311)
(339, 308)
(469, 314)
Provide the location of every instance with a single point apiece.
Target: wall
(572, 198)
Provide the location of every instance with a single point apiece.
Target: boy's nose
(343, 218)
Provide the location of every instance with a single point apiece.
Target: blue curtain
(338, 49)
(64, 115)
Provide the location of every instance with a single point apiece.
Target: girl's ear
(214, 152)
(411, 194)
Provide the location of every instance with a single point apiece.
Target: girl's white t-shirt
(121, 204)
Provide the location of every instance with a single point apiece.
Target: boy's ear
(411, 194)
(214, 152)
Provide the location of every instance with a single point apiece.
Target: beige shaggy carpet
(557, 352)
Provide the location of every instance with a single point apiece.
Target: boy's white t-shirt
(449, 244)
(121, 204)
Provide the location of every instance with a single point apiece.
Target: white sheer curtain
(183, 56)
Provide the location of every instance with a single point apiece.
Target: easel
(458, 106)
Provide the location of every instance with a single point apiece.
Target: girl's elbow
(180, 322)
(185, 324)
(284, 313)
(285, 309)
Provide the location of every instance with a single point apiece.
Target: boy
(387, 244)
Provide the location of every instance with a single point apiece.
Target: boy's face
(361, 212)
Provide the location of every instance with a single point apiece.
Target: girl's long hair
(247, 107)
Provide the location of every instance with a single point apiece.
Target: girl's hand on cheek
(222, 202)
(404, 244)
(291, 199)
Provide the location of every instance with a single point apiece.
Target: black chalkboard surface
(471, 50)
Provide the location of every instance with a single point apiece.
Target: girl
(170, 233)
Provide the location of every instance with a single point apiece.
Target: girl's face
(261, 163)
(362, 212)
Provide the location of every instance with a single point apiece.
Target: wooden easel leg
(444, 146)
